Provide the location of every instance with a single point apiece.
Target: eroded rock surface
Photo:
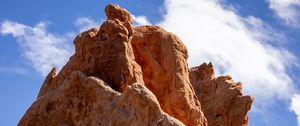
(163, 59)
(221, 98)
(120, 75)
(89, 101)
(105, 53)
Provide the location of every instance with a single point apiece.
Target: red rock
(89, 101)
(163, 59)
(221, 98)
(120, 75)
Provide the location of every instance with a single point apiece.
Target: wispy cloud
(238, 46)
(287, 10)
(41, 48)
(140, 20)
(85, 23)
(14, 70)
(295, 106)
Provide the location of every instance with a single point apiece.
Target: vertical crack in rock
(120, 75)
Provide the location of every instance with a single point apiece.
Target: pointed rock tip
(53, 72)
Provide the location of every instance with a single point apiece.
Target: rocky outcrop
(89, 101)
(120, 75)
(221, 98)
(163, 59)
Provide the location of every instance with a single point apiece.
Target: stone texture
(221, 98)
(114, 11)
(163, 59)
(105, 53)
(88, 101)
(120, 75)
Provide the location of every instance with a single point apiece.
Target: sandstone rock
(221, 98)
(120, 75)
(105, 53)
(88, 101)
(163, 59)
(114, 11)
(100, 85)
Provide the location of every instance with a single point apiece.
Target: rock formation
(163, 59)
(120, 75)
(221, 98)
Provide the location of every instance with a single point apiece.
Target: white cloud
(85, 23)
(262, 31)
(287, 10)
(140, 20)
(41, 48)
(235, 45)
(295, 106)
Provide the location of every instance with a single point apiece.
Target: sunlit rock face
(221, 98)
(135, 76)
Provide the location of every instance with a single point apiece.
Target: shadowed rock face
(120, 75)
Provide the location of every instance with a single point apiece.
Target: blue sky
(255, 41)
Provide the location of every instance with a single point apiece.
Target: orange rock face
(163, 59)
(88, 101)
(221, 98)
(120, 75)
